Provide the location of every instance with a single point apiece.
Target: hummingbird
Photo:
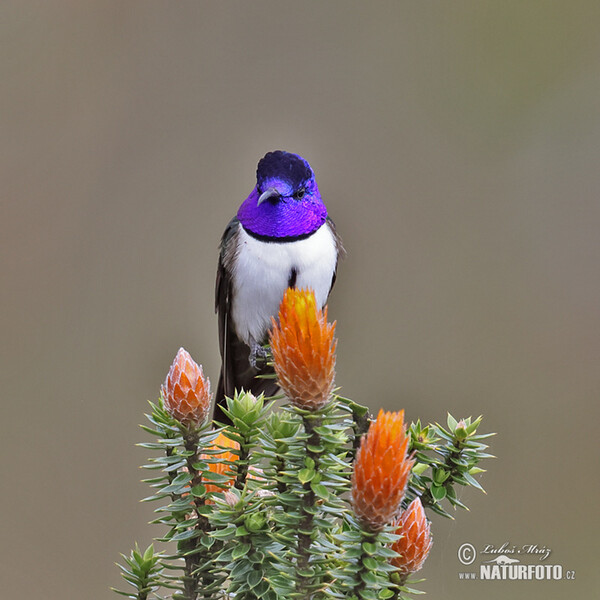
(281, 237)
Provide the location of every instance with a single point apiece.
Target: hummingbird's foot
(258, 355)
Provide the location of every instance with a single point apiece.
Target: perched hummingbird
(280, 238)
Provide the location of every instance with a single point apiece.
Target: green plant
(296, 502)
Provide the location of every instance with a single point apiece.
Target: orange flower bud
(415, 543)
(381, 471)
(225, 457)
(186, 392)
(303, 349)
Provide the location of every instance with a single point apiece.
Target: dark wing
(223, 284)
(236, 371)
(227, 250)
(341, 251)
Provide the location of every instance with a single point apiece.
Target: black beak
(270, 193)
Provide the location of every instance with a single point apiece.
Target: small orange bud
(224, 457)
(381, 471)
(303, 349)
(186, 392)
(415, 543)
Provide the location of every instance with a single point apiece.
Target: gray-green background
(456, 145)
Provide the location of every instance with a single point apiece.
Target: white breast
(261, 273)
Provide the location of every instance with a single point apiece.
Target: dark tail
(248, 381)
(220, 403)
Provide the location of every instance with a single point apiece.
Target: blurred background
(457, 148)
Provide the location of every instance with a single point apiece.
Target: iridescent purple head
(286, 202)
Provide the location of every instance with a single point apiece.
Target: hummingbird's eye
(299, 194)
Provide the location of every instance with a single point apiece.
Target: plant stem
(368, 538)
(361, 418)
(279, 468)
(361, 426)
(193, 559)
(426, 498)
(242, 466)
(399, 581)
(305, 527)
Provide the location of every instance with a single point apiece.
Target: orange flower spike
(415, 543)
(303, 347)
(186, 392)
(224, 457)
(381, 471)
